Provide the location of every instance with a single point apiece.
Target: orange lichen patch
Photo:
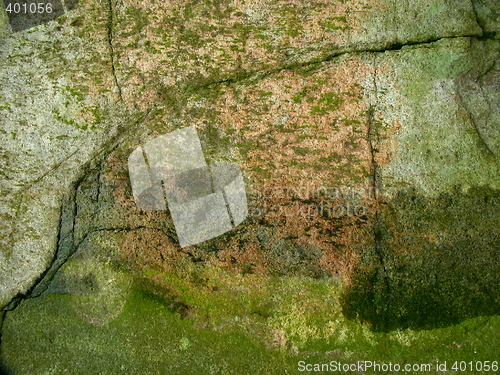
(296, 23)
(164, 42)
(353, 239)
(299, 137)
(118, 176)
(125, 207)
(296, 128)
(242, 257)
(303, 219)
(303, 141)
(146, 248)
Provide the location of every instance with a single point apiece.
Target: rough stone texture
(478, 92)
(59, 111)
(487, 12)
(160, 51)
(367, 133)
(444, 138)
(439, 262)
(437, 265)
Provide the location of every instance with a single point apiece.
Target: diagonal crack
(475, 80)
(488, 70)
(485, 34)
(61, 259)
(68, 213)
(476, 15)
(474, 123)
(65, 242)
(258, 74)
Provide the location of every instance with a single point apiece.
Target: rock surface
(368, 136)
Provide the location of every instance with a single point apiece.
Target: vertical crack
(68, 241)
(374, 140)
(476, 15)
(374, 144)
(98, 194)
(474, 124)
(111, 48)
(65, 244)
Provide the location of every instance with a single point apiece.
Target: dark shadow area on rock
(5, 371)
(163, 294)
(441, 263)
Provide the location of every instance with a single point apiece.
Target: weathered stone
(434, 261)
(367, 134)
(488, 13)
(424, 99)
(59, 111)
(161, 50)
(478, 91)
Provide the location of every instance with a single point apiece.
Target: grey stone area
(52, 127)
(444, 98)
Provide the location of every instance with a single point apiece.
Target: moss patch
(255, 326)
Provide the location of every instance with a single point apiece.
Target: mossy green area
(147, 338)
(211, 321)
(443, 59)
(4, 23)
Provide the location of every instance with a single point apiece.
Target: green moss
(191, 38)
(447, 155)
(327, 102)
(251, 325)
(139, 17)
(332, 24)
(297, 98)
(439, 61)
(262, 172)
(216, 144)
(173, 345)
(63, 119)
(302, 151)
(332, 157)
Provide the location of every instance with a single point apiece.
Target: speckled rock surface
(59, 111)
(367, 135)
